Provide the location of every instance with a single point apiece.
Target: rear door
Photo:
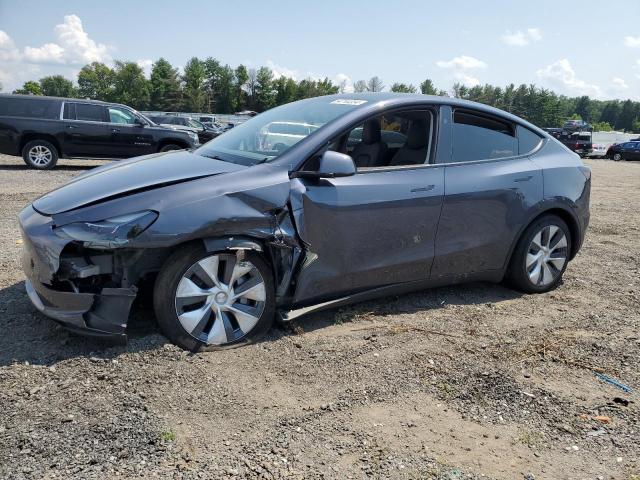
(128, 138)
(490, 189)
(86, 131)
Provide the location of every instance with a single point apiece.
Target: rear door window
(90, 113)
(481, 137)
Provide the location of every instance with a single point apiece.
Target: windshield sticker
(348, 101)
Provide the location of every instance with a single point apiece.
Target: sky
(574, 48)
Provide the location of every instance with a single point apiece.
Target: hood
(129, 176)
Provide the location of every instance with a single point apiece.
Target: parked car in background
(599, 150)
(576, 125)
(278, 136)
(233, 233)
(624, 151)
(186, 123)
(44, 129)
(579, 141)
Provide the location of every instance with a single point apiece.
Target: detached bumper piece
(100, 315)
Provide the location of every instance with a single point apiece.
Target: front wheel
(541, 256)
(210, 301)
(617, 157)
(170, 147)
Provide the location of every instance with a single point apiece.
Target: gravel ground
(473, 381)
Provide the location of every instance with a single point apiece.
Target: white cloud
(8, 50)
(562, 75)
(145, 64)
(520, 38)
(466, 79)
(280, 71)
(633, 42)
(619, 83)
(348, 83)
(462, 62)
(72, 46)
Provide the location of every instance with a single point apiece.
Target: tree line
(208, 86)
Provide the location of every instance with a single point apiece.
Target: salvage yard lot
(472, 381)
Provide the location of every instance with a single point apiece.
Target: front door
(372, 229)
(128, 138)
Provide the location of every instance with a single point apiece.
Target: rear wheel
(541, 256)
(617, 157)
(211, 301)
(40, 154)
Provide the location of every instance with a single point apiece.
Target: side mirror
(332, 165)
(140, 123)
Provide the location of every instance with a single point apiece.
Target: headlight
(193, 136)
(110, 233)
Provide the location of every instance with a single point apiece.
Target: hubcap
(546, 256)
(40, 155)
(220, 298)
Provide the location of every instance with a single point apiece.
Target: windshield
(265, 137)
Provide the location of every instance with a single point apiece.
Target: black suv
(42, 129)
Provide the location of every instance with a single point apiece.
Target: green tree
(602, 127)
(286, 90)
(226, 94)
(264, 91)
(164, 87)
(240, 85)
(96, 81)
(194, 78)
(29, 88)
(403, 88)
(57, 86)
(627, 117)
(130, 85)
(428, 88)
(374, 84)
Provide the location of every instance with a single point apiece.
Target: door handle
(423, 189)
(115, 130)
(71, 127)
(523, 179)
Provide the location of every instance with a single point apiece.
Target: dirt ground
(467, 382)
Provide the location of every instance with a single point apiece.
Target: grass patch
(168, 436)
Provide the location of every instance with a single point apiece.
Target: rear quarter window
(527, 140)
(29, 107)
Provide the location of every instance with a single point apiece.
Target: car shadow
(29, 336)
(64, 168)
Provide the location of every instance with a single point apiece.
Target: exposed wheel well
(164, 143)
(28, 137)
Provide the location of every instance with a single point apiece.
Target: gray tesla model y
(309, 205)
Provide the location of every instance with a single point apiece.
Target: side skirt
(284, 315)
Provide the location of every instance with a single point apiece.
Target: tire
(40, 154)
(214, 321)
(617, 157)
(538, 270)
(170, 147)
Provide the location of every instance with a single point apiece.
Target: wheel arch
(29, 137)
(560, 211)
(172, 141)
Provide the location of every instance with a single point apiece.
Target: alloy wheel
(617, 157)
(40, 155)
(220, 298)
(546, 256)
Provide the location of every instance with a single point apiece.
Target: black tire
(164, 298)
(517, 275)
(40, 154)
(170, 147)
(616, 157)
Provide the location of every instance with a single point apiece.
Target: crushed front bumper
(103, 313)
(100, 315)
